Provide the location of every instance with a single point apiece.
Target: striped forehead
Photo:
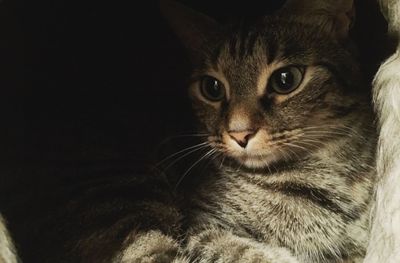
(244, 47)
(244, 60)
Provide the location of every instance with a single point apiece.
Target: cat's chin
(257, 161)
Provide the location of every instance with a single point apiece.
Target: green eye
(286, 80)
(212, 89)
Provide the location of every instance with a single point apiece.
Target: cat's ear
(334, 16)
(193, 28)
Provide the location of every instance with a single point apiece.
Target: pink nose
(242, 137)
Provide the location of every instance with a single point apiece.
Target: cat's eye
(286, 80)
(212, 89)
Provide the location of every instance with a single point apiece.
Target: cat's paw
(181, 259)
(211, 246)
(255, 254)
(267, 254)
(150, 247)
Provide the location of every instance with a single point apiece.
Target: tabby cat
(290, 130)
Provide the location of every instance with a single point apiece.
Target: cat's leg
(7, 250)
(223, 246)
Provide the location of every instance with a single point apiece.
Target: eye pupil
(212, 89)
(286, 80)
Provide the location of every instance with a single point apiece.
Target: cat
(384, 245)
(290, 128)
(288, 122)
(7, 249)
(290, 79)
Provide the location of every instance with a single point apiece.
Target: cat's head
(272, 90)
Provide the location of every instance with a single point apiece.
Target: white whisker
(295, 146)
(222, 161)
(210, 152)
(181, 151)
(313, 143)
(186, 154)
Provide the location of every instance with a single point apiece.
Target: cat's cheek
(208, 117)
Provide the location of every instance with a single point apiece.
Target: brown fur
(301, 189)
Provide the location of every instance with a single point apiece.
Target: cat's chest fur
(319, 211)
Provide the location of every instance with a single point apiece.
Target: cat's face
(273, 91)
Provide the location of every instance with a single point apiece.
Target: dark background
(93, 74)
(91, 77)
(94, 82)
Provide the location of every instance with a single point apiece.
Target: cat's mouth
(260, 152)
(265, 150)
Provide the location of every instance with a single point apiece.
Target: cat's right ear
(193, 28)
(334, 16)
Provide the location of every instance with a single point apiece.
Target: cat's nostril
(242, 138)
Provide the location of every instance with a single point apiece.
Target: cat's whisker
(289, 158)
(266, 164)
(212, 159)
(312, 143)
(318, 140)
(187, 135)
(181, 151)
(273, 154)
(325, 131)
(329, 127)
(218, 154)
(185, 155)
(305, 141)
(239, 167)
(209, 153)
(284, 155)
(356, 133)
(295, 146)
(315, 139)
(342, 128)
(222, 161)
(193, 136)
(333, 133)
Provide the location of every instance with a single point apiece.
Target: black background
(86, 77)
(90, 81)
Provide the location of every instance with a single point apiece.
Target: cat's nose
(242, 137)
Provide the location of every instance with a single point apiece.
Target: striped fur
(301, 191)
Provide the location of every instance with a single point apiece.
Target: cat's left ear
(334, 16)
(193, 28)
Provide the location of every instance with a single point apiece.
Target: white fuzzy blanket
(384, 246)
(7, 251)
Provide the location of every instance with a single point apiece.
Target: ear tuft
(335, 16)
